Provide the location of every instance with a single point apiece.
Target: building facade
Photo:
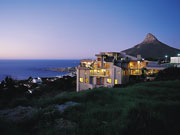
(109, 69)
(113, 68)
(175, 60)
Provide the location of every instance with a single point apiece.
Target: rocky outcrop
(151, 47)
(17, 114)
(150, 38)
(64, 106)
(20, 113)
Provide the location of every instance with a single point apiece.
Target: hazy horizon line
(47, 59)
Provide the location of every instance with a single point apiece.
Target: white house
(37, 80)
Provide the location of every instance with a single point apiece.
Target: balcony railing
(100, 73)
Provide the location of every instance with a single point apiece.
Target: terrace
(100, 73)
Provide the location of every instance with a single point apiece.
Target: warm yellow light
(116, 82)
(107, 72)
(86, 80)
(81, 79)
(109, 80)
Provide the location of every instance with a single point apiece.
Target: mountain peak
(150, 38)
(151, 47)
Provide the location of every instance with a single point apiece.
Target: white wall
(83, 85)
(175, 60)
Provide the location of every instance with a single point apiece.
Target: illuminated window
(125, 72)
(99, 65)
(107, 65)
(81, 79)
(116, 81)
(119, 72)
(108, 80)
(86, 80)
(107, 72)
(99, 81)
(85, 73)
(95, 65)
(99, 59)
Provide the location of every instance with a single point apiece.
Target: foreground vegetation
(150, 108)
(22, 92)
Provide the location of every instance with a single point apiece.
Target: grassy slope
(143, 109)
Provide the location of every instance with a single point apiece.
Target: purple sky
(75, 29)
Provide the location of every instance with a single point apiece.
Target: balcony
(100, 73)
(136, 65)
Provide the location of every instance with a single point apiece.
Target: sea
(23, 69)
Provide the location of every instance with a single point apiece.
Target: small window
(116, 82)
(109, 80)
(107, 65)
(99, 59)
(107, 73)
(81, 79)
(99, 65)
(85, 72)
(91, 80)
(86, 80)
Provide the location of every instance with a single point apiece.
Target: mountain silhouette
(151, 47)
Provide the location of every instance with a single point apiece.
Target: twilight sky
(75, 29)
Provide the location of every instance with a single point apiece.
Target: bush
(171, 73)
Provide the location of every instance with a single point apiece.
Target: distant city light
(166, 56)
(178, 54)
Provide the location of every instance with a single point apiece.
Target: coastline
(62, 69)
(68, 71)
(23, 69)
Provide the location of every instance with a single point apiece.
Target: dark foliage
(150, 108)
(151, 59)
(13, 93)
(172, 73)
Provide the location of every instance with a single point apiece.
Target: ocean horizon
(21, 69)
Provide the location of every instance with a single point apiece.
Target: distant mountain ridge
(151, 47)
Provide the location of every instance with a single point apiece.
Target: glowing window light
(116, 82)
(109, 80)
(107, 72)
(86, 80)
(81, 79)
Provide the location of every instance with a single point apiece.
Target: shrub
(171, 73)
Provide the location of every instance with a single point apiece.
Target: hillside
(151, 47)
(150, 108)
